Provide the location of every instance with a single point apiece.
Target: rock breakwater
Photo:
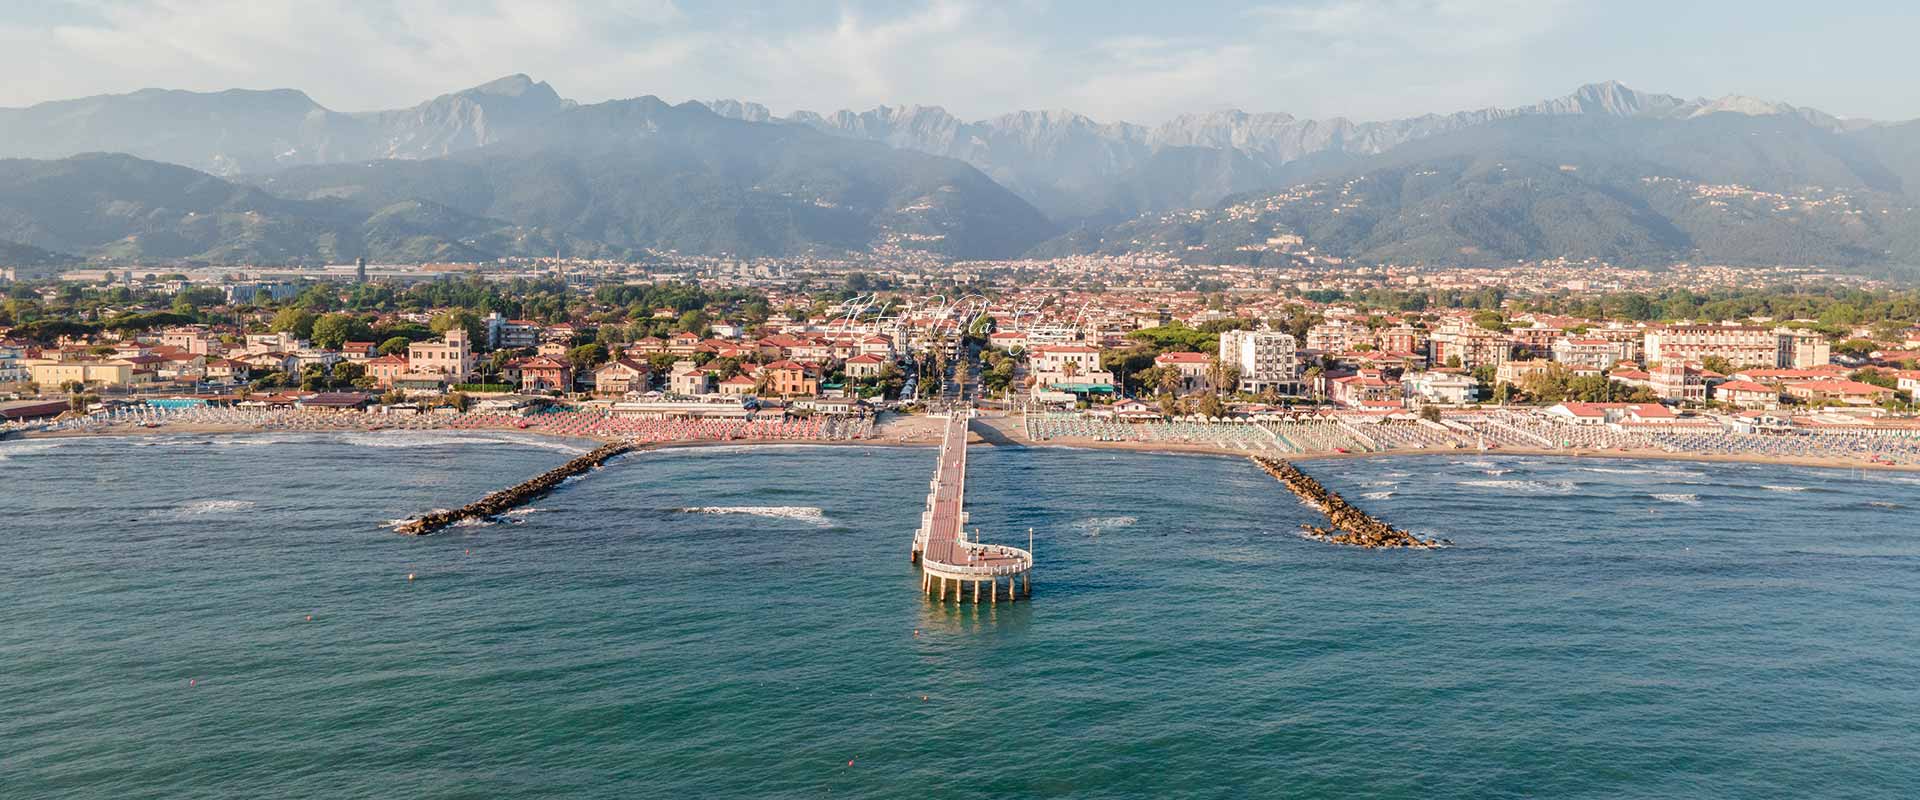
(513, 497)
(1350, 525)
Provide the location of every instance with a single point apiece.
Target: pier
(950, 562)
(513, 497)
(1351, 526)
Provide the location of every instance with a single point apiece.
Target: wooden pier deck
(947, 557)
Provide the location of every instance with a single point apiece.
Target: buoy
(192, 682)
(409, 576)
(309, 617)
(849, 762)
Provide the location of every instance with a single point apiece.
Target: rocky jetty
(1351, 525)
(508, 499)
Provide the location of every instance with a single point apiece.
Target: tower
(360, 270)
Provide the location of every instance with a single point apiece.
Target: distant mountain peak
(1611, 98)
(1742, 104)
(513, 85)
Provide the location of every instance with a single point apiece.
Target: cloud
(1364, 58)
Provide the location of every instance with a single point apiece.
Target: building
(1470, 347)
(791, 379)
(1517, 372)
(688, 379)
(51, 373)
(386, 370)
(620, 376)
(1536, 340)
(546, 373)
(1590, 352)
(1678, 381)
(1843, 392)
(1800, 349)
(1075, 366)
(195, 339)
(1191, 367)
(1336, 336)
(452, 359)
(1746, 394)
(1402, 339)
(1266, 359)
(865, 365)
(1440, 388)
(1362, 389)
(1740, 345)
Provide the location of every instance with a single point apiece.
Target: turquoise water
(1604, 628)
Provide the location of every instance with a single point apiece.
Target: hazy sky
(1140, 61)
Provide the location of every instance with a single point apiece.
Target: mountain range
(512, 168)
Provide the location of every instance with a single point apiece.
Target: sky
(1143, 62)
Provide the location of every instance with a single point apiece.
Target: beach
(989, 428)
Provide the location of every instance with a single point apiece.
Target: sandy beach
(1003, 430)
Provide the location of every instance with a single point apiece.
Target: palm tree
(1168, 381)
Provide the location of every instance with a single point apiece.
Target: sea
(233, 617)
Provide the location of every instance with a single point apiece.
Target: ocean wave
(1526, 487)
(1772, 488)
(1394, 474)
(1377, 484)
(1685, 499)
(11, 449)
(1478, 463)
(1495, 471)
(1614, 470)
(1092, 526)
(1884, 504)
(1377, 495)
(472, 522)
(199, 507)
(451, 439)
(800, 513)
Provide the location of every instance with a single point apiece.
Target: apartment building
(1740, 345)
(1266, 359)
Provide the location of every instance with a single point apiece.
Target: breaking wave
(1772, 488)
(1526, 487)
(11, 449)
(1685, 499)
(800, 513)
(200, 507)
(1092, 526)
(1377, 495)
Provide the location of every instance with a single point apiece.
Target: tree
(587, 356)
(459, 401)
(334, 330)
(463, 319)
(349, 373)
(1718, 364)
(1430, 413)
(1210, 406)
(297, 321)
(395, 345)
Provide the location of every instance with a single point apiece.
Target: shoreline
(1003, 435)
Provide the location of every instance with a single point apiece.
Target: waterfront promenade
(949, 560)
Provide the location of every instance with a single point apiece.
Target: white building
(1440, 388)
(1266, 359)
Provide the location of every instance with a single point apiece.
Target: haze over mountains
(512, 168)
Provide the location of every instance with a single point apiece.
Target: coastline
(1005, 432)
